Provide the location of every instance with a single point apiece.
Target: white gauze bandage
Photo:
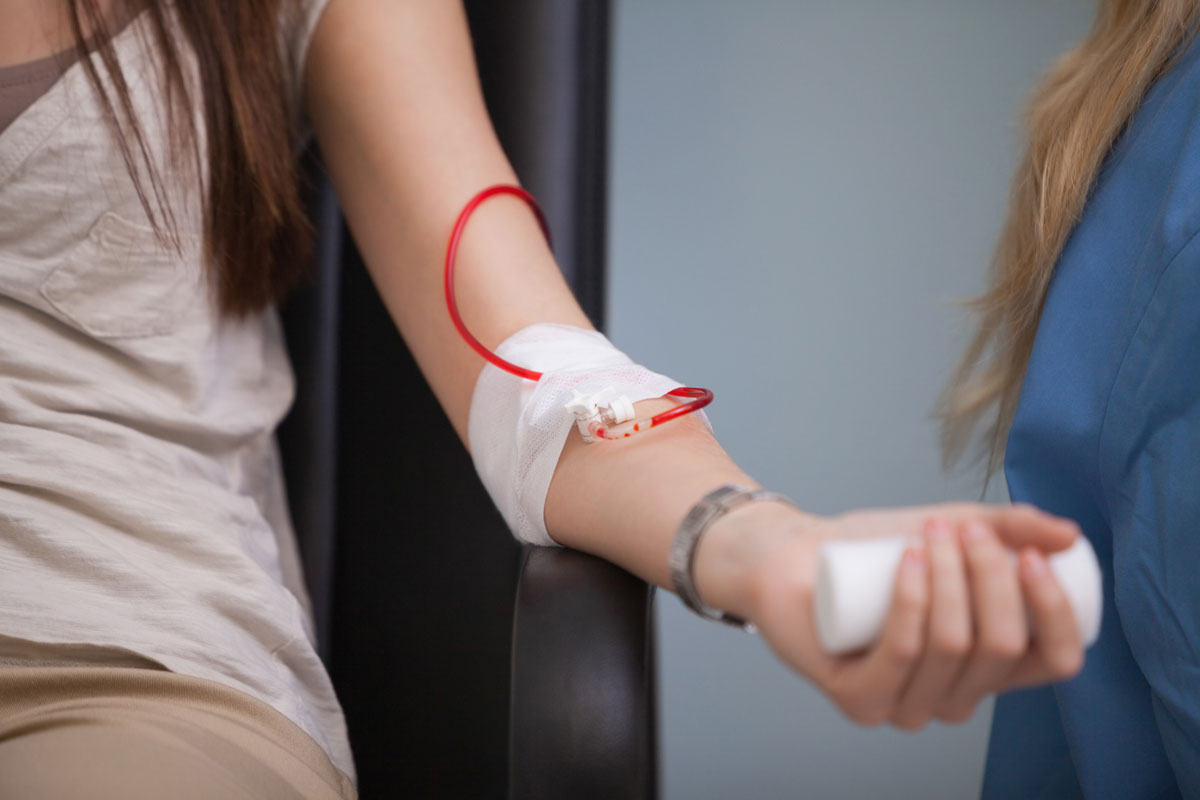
(517, 428)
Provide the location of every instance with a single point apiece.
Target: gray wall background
(799, 191)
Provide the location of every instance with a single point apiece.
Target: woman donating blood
(153, 635)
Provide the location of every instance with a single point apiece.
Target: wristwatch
(687, 539)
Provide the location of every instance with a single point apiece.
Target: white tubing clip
(604, 407)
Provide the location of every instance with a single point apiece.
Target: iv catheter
(599, 415)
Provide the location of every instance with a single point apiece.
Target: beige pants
(69, 733)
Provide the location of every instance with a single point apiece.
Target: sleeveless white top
(142, 511)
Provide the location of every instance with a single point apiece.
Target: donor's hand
(958, 629)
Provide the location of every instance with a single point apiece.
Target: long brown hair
(1073, 120)
(256, 232)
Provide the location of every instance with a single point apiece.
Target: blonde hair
(1073, 120)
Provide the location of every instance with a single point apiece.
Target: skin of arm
(393, 95)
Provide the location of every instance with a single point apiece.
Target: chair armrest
(582, 718)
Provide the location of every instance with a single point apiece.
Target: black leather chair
(467, 665)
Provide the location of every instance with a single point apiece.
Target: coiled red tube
(460, 225)
(697, 398)
(700, 398)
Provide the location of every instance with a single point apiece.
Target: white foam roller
(855, 582)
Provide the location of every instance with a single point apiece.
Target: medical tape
(517, 427)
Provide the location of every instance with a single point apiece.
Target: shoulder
(1153, 188)
(1123, 302)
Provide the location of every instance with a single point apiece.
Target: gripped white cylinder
(855, 582)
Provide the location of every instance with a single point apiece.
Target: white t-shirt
(142, 510)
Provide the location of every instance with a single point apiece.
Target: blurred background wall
(799, 192)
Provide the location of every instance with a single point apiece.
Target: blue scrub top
(1108, 433)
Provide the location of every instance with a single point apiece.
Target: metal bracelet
(687, 539)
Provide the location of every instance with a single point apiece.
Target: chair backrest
(308, 436)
